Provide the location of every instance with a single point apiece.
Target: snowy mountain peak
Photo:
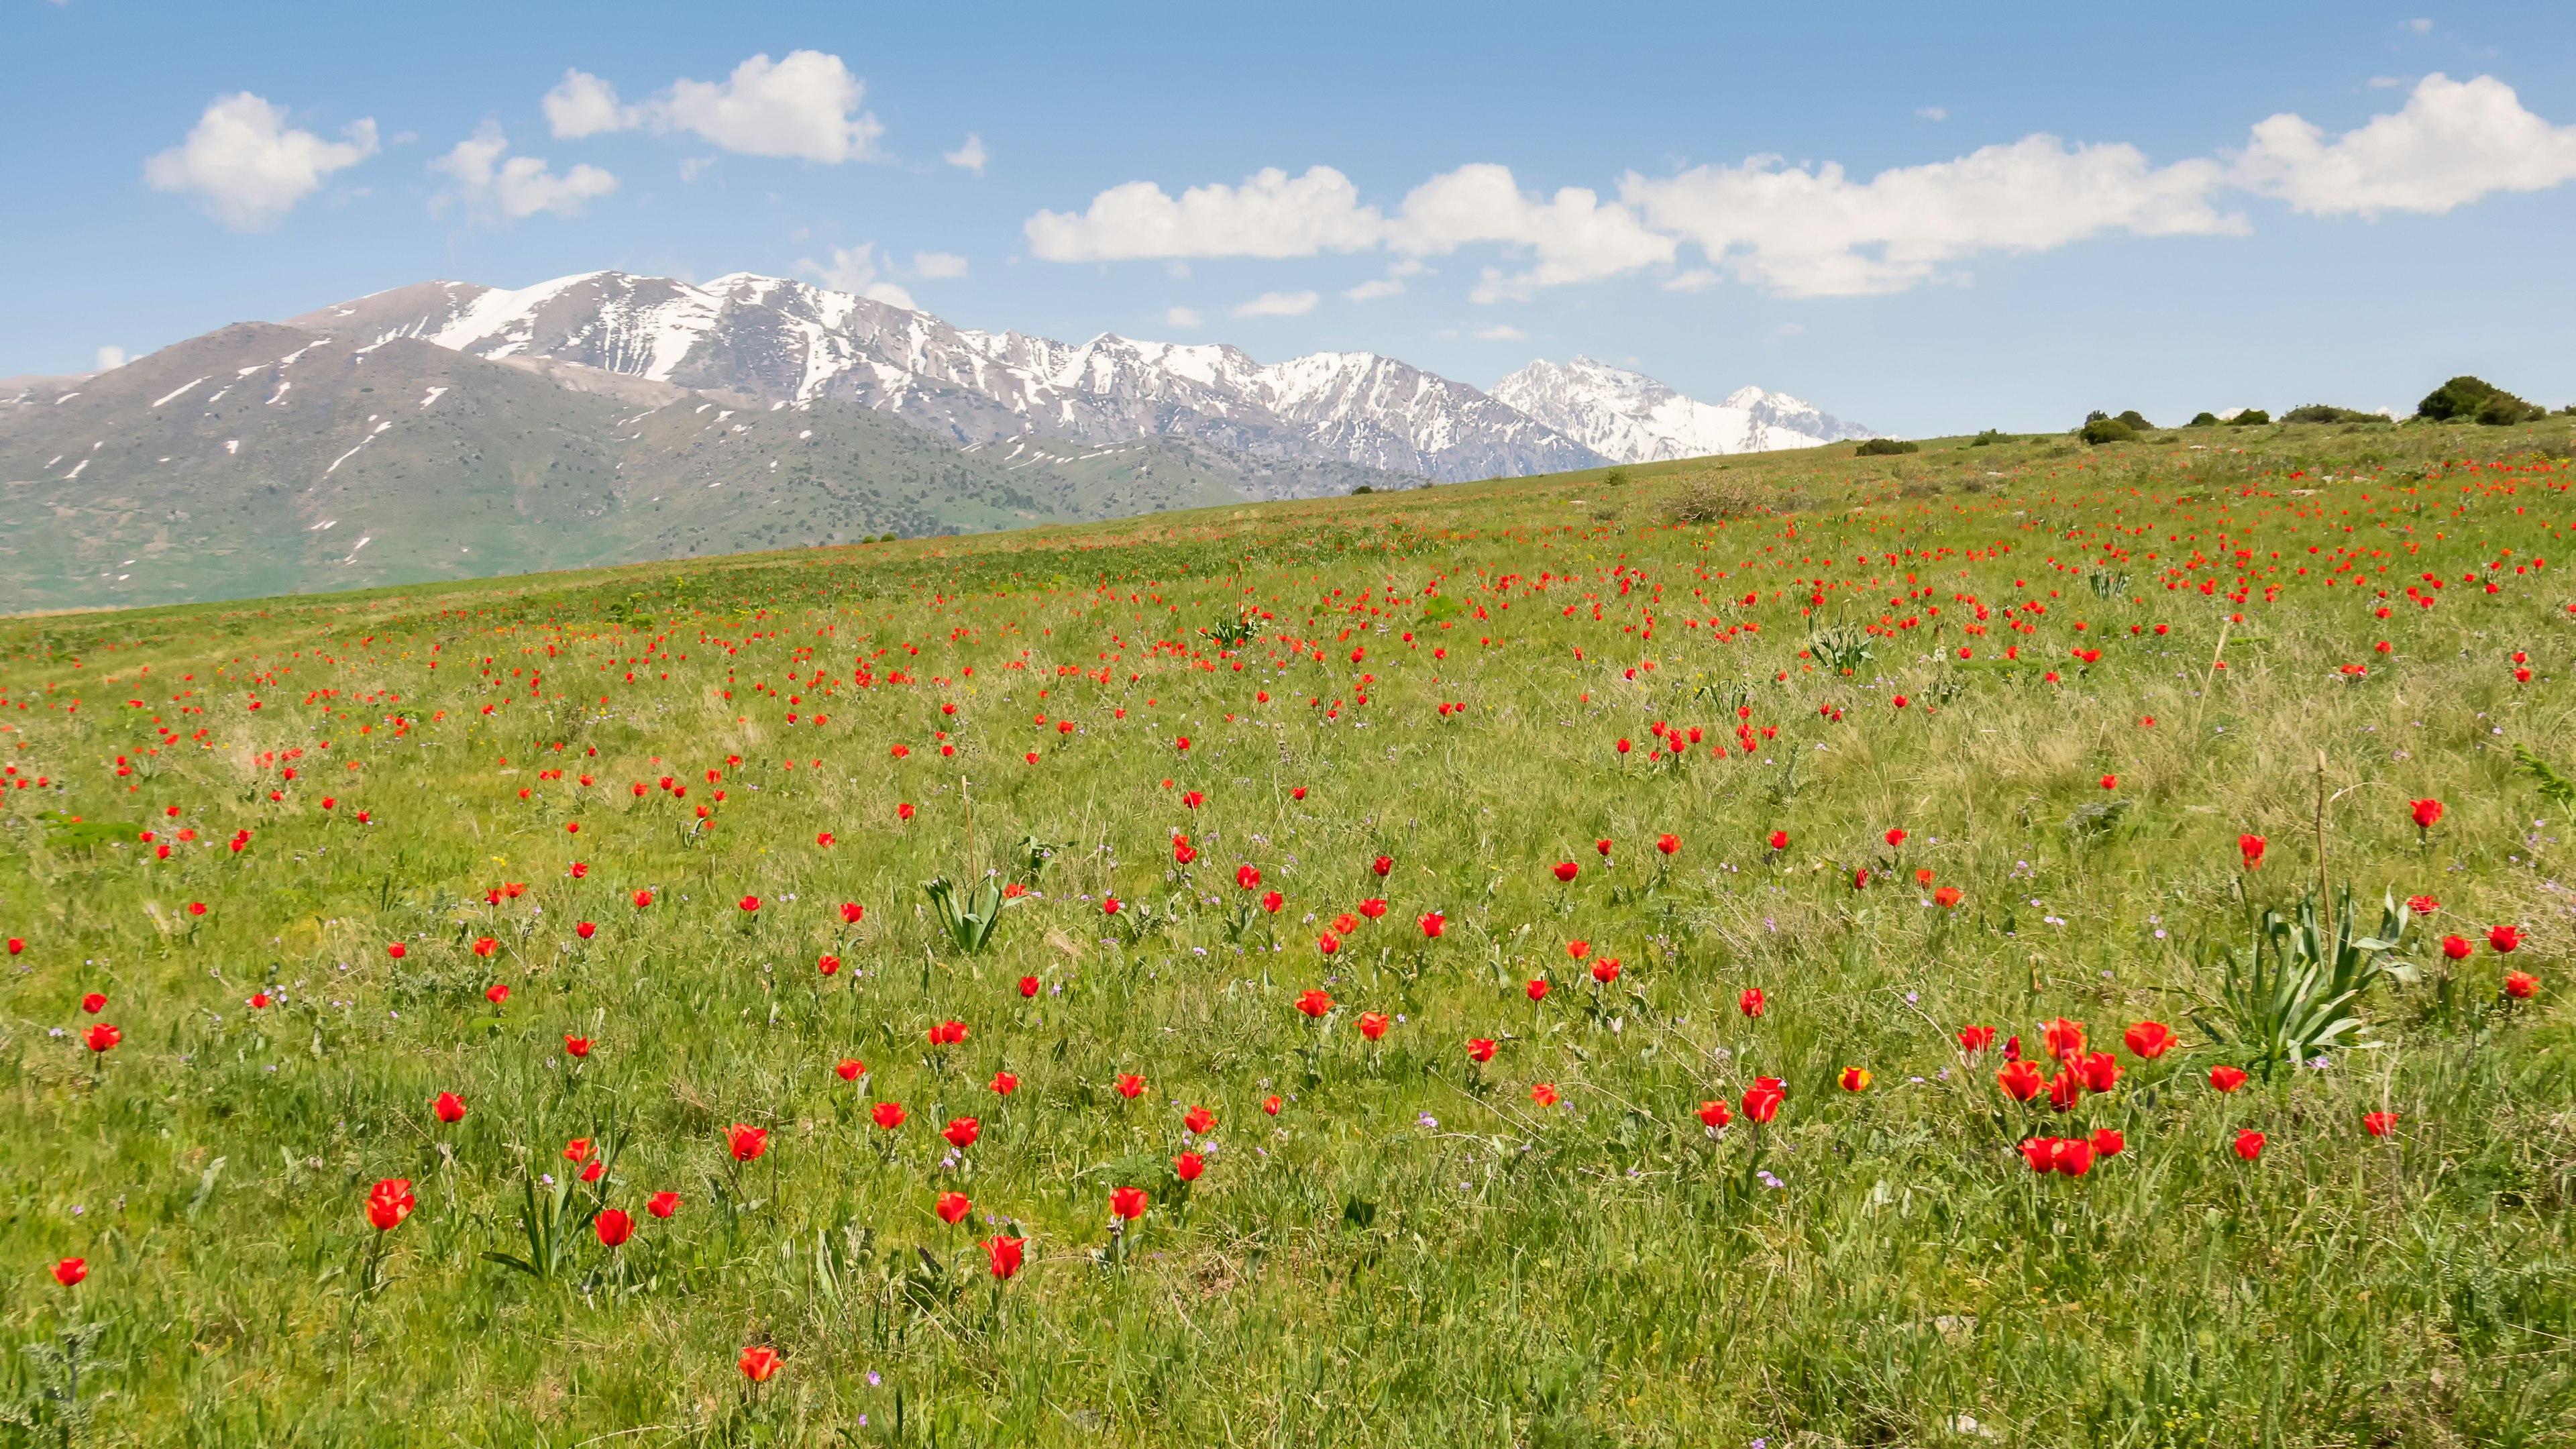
(1629, 417)
(788, 341)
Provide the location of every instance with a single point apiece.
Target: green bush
(1989, 438)
(2108, 430)
(2467, 399)
(2136, 423)
(2322, 413)
(2203, 419)
(2250, 418)
(1881, 447)
(1363, 488)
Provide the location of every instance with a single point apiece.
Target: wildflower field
(2010, 944)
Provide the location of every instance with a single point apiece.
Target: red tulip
(2110, 782)
(1480, 1049)
(2377, 1124)
(1198, 1120)
(1716, 1114)
(1188, 1166)
(1543, 1093)
(2073, 1158)
(903, 812)
(485, 945)
(1028, 986)
(1976, 1038)
(2249, 1144)
(758, 1363)
(1606, 970)
(2020, 1080)
(2422, 905)
(1108, 905)
(1314, 1002)
(1271, 901)
(1895, 836)
(643, 899)
(1128, 1203)
(2520, 984)
(1538, 989)
(2040, 1153)
(961, 1132)
(1382, 865)
(1779, 840)
(1328, 943)
(1602, 846)
(1948, 897)
(749, 904)
(1004, 1084)
(614, 1227)
(952, 1207)
(2226, 1078)
(1373, 1024)
(1751, 1001)
(1373, 908)
(1668, 844)
(1578, 949)
(2100, 1071)
(828, 964)
(1130, 1085)
(1432, 924)
(70, 1271)
(746, 1143)
(496, 993)
(1566, 870)
(888, 1115)
(2456, 947)
(1854, 1079)
(1246, 876)
(2107, 1143)
(2251, 847)
(2065, 1039)
(850, 1068)
(397, 950)
(1005, 1255)
(449, 1108)
(1270, 1105)
(2427, 813)
(948, 1033)
(662, 1204)
(102, 1036)
(585, 930)
(389, 1202)
(1762, 1099)
(2148, 1039)
(579, 1046)
(93, 1003)
(18, 944)
(2504, 938)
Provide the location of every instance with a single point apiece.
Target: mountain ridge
(1629, 417)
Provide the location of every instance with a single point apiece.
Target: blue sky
(2082, 211)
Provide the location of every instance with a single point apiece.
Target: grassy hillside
(2036, 726)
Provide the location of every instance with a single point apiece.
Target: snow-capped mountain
(1629, 417)
(786, 341)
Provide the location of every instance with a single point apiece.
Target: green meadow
(2048, 734)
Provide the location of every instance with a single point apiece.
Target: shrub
(2469, 399)
(2203, 419)
(1713, 500)
(1989, 438)
(2250, 418)
(2322, 413)
(2136, 423)
(1363, 488)
(1882, 447)
(1614, 478)
(2109, 430)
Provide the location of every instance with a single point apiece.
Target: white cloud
(248, 166)
(1499, 332)
(2455, 142)
(1270, 215)
(1933, 113)
(581, 104)
(110, 358)
(938, 266)
(971, 156)
(1279, 304)
(854, 269)
(693, 167)
(1818, 234)
(1576, 237)
(1697, 279)
(494, 184)
(2420, 27)
(1183, 317)
(805, 106)
(1370, 291)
